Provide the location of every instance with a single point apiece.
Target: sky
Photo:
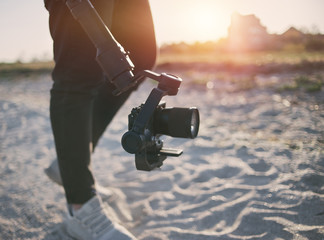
(25, 35)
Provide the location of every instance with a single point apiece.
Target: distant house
(246, 33)
(297, 38)
(293, 35)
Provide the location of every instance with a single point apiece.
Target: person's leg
(71, 123)
(76, 77)
(133, 27)
(76, 73)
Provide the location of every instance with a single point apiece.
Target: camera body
(148, 147)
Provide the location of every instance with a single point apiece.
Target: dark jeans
(82, 105)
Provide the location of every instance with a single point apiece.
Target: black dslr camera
(150, 120)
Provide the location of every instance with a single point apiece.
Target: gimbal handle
(111, 56)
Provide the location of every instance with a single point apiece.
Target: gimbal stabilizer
(150, 120)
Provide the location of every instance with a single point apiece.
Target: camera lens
(177, 122)
(194, 122)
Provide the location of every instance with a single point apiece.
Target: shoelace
(97, 222)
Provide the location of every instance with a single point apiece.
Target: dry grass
(247, 64)
(12, 70)
(259, 58)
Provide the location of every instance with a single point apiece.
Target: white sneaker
(91, 222)
(115, 197)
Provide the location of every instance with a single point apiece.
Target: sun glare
(204, 20)
(191, 20)
(207, 23)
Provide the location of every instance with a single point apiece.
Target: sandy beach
(255, 171)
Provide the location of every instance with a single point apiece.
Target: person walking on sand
(82, 105)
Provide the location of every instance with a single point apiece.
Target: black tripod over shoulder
(152, 119)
